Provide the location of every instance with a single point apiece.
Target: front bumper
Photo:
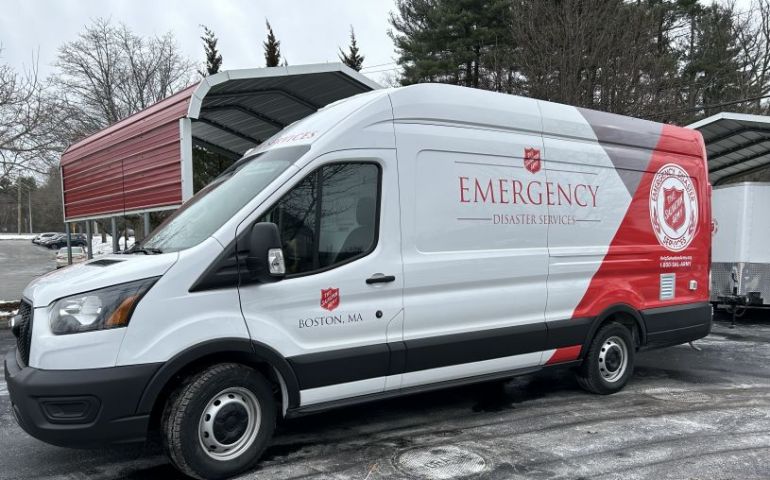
(79, 408)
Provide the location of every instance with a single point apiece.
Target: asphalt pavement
(20, 262)
(684, 414)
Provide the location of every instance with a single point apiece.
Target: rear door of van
(474, 241)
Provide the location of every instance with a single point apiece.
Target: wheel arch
(248, 352)
(624, 314)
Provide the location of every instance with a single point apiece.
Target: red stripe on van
(564, 354)
(631, 269)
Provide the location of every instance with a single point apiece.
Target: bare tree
(753, 38)
(109, 73)
(28, 143)
(602, 54)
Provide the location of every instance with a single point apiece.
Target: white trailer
(741, 243)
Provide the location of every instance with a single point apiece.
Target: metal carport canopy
(736, 144)
(144, 162)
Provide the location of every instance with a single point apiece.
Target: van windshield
(218, 201)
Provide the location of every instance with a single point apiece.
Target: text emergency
(511, 191)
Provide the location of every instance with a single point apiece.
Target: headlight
(109, 307)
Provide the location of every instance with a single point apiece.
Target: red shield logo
(673, 207)
(330, 298)
(532, 160)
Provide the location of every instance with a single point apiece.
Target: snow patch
(16, 236)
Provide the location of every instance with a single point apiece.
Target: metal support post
(146, 225)
(29, 208)
(69, 243)
(89, 243)
(115, 239)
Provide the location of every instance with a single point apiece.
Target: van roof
(463, 107)
(453, 105)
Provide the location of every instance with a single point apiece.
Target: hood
(98, 273)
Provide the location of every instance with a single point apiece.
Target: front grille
(24, 332)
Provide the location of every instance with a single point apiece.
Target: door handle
(380, 278)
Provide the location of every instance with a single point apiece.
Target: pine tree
(272, 48)
(213, 57)
(452, 41)
(353, 58)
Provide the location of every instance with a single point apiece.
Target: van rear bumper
(79, 408)
(677, 324)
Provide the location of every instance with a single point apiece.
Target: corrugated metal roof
(137, 164)
(238, 109)
(736, 144)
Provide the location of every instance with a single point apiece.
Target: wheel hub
(229, 423)
(613, 359)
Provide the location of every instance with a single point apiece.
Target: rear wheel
(609, 362)
(219, 422)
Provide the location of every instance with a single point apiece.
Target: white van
(394, 242)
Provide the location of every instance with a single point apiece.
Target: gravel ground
(685, 414)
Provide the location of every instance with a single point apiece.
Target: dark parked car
(60, 241)
(46, 242)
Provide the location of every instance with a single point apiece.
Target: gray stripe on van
(629, 142)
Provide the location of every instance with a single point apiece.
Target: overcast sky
(309, 31)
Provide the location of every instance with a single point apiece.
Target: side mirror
(265, 259)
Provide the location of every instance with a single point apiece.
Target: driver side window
(329, 218)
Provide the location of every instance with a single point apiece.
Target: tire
(609, 362)
(239, 426)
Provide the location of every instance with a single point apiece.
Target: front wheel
(219, 422)
(609, 362)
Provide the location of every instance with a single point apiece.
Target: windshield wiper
(135, 248)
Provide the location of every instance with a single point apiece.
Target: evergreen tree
(213, 57)
(464, 42)
(353, 58)
(272, 48)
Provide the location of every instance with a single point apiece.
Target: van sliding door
(475, 256)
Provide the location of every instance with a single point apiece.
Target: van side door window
(329, 218)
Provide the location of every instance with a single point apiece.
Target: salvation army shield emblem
(673, 207)
(532, 159)
(330, 298)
